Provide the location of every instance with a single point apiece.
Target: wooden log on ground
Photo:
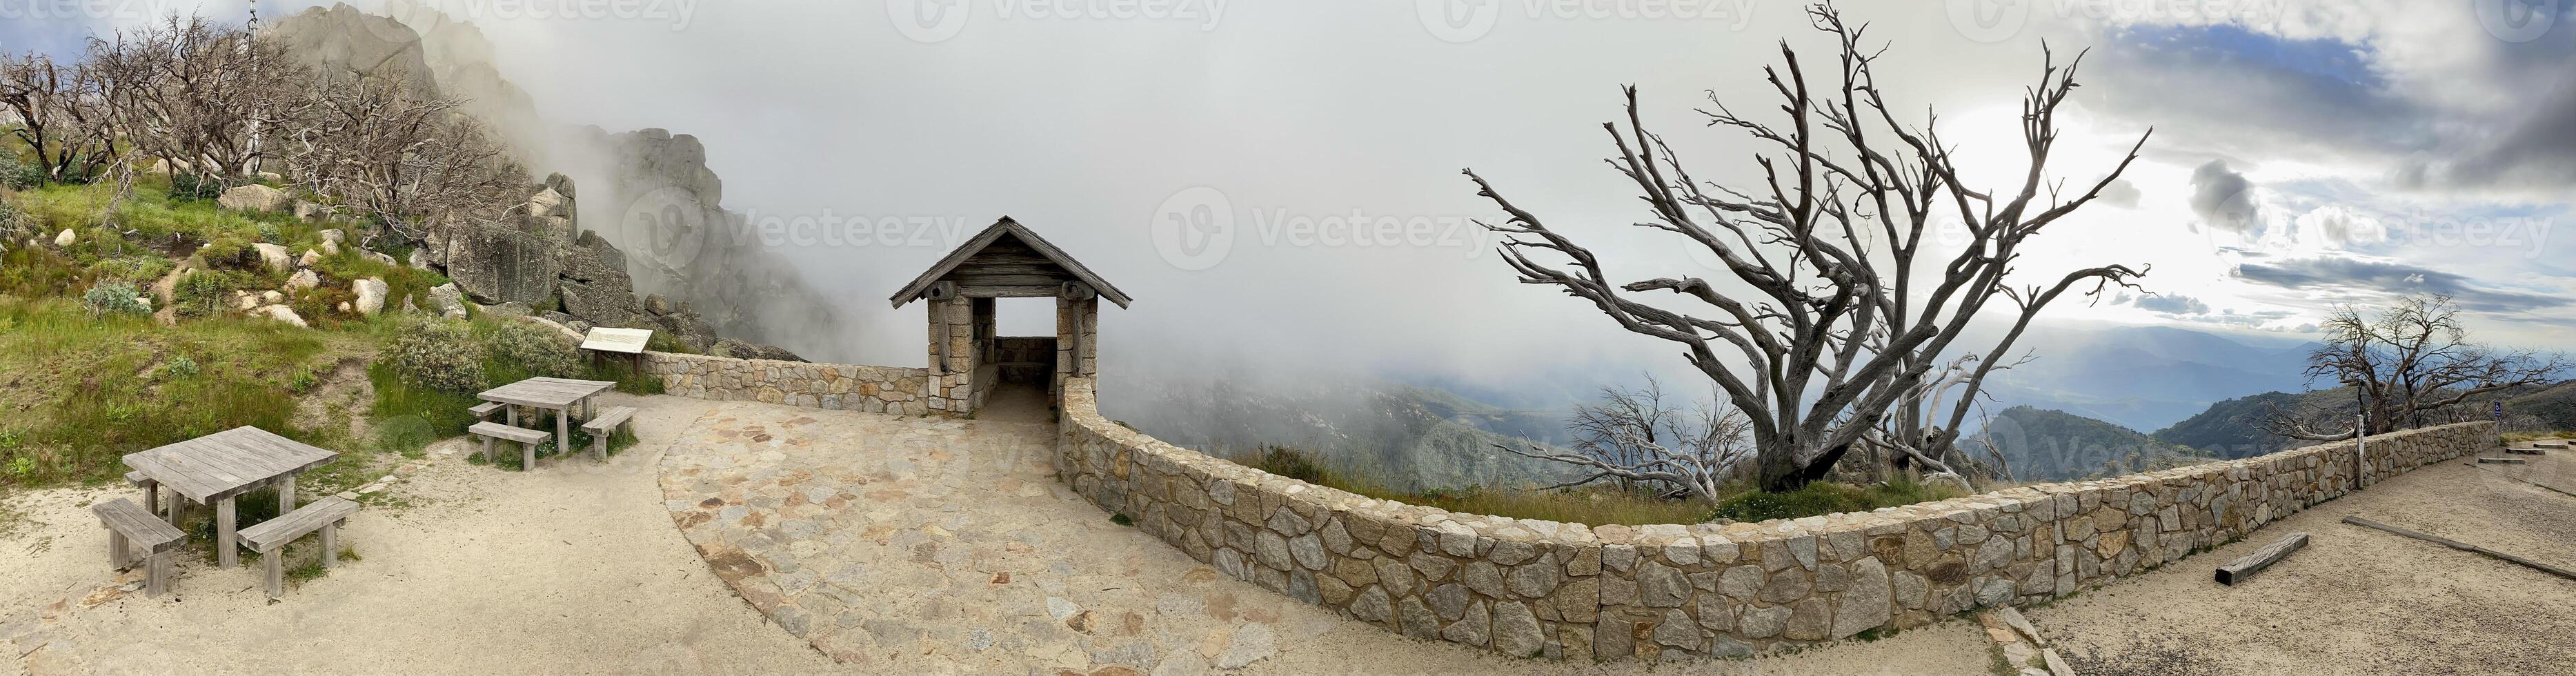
(2502, 461)
(2463, 546)
(2237, 570)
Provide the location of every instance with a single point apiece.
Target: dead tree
(1637, 440)
(60, 114)
(382, 153)
(1821, 326)
(186, 90)
(2410, 365)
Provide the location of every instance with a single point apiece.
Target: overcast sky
(2306, 152)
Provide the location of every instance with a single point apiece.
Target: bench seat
(527, 438)
(269, 538)
(132, 529)
(603, 425)
(484, 410)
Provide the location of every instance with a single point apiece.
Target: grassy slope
(82, 391)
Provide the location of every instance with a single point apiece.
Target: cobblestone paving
(946, 546)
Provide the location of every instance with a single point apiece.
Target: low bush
(137, 270)
(114, 298)
(437, 354)
(535, 350)
(205, 293)
(181, 367)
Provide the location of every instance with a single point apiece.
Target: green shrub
(194, 187)
(269, 233)
(437, 354)
(19, 175)
(229, 253)
(1821, 498)
(536, 350)
(203, 293)
(114, 298)
(181, 367)
(138, 270)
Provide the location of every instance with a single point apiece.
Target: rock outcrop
(256, 199)
(494, 263)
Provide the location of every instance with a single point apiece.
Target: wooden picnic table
(213, 469)
(554, 394)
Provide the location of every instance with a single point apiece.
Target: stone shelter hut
(967, 359)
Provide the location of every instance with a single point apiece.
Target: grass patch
(1598, 506)
(1829, 498)
(1602, 505)
(84, 391)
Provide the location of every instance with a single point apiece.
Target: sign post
(604, 340)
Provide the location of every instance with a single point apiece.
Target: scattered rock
(332, 239)
(371, 295)
(255, 198)
(308, 211)
(743, 349)
(271, 297)
(420, 259)
(66, 239)
(380, 258)
(303, 279)
(274, 256)
(284, 314)
(310, 257)
(449, 300)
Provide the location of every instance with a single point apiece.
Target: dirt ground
(2358, 600)
(576, 568)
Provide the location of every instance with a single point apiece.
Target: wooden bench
(131, 529)
(603, 426)
(485, 410)
(269, 538)
(527, 438)
(151, 491)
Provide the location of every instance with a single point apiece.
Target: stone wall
(1524, 587)
(873, 389)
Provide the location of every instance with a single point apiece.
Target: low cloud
(2366, 279)
(2173, 304)
(2224, 199)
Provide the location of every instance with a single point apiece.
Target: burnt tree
(1837, 320)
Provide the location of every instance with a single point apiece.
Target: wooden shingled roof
(1007, 228)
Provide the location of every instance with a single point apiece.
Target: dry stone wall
(873, 389)
(1527, 588)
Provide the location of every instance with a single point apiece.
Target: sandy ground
(576, 568)
(2357, 600)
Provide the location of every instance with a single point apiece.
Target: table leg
(151, 496)
(563, 429)
(225, 554)
(512, 413)
(286, 494)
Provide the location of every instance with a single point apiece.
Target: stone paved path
(931, 545)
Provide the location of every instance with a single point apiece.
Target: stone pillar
(952, 355)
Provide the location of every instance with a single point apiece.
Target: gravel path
(2357, 600)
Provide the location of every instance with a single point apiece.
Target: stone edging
(1525, 587)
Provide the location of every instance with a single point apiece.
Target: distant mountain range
(2045, 445)
(2074, 412)
(2146, 377)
